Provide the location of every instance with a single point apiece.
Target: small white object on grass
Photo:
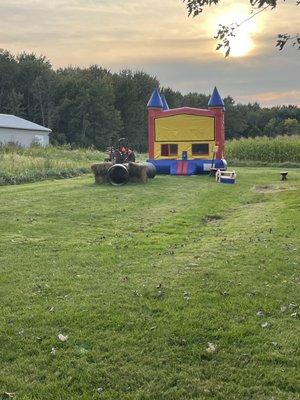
(265, 325)
(8, 395)
(260, 313)
(211, 348)
(53, 351)
(294, 315)
(63, 338)
(186, 296)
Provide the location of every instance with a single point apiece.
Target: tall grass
(282, 149)
(20, 165)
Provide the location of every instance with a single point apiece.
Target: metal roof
(13, 122)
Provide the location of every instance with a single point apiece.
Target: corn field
(282, 149)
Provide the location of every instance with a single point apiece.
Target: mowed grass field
(179, 289)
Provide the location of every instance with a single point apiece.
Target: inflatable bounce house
(186, 141)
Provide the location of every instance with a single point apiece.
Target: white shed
(20, 131)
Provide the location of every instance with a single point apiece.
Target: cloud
(156, 36)
(276, 98)
(273, 72)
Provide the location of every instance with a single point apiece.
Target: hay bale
(137, 172)
(100, 171)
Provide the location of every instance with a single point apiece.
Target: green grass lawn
(140, 278)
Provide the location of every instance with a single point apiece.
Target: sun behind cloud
(242, 43)
(241, 46)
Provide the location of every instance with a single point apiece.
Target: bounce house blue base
(187, 167)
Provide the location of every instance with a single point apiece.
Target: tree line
(94, 107)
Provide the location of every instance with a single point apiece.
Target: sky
(158, 37)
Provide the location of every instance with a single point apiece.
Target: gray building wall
(23, 137)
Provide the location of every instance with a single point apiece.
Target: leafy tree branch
(226, 32)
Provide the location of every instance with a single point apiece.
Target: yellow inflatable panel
(184, 128)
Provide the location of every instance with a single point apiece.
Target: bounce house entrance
(182, 167)
(179, 168)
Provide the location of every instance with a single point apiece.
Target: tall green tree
(132, 92)
(195, 100)
(15, 104)
(34, 82)
(291, 127)
(174, 98)
(85, 111)
(8, 77)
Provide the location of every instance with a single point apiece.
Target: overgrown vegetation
(282, 149)
(178, 289)
(92, 106)
(22, 165)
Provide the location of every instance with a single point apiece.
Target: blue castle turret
(215, 99)
(164, 101)
(155, 100)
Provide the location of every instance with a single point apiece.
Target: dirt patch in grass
(272, 188)
(211, 218)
